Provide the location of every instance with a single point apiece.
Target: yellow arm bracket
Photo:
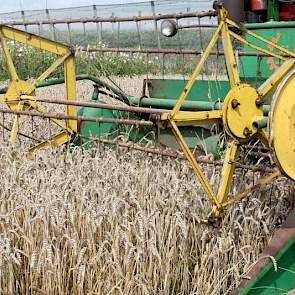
(245, 193)
(231, 63)
(189, 155)
(256, 47)
(56, 141)
(25, 89)
(48, 72)
(70, 81)
(266, 41)
(33, 40)
(51, 69)
(194, 118)
(274, 79)
(32, 103)
(227, 175)
(197, 71)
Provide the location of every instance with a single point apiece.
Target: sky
(16, 5)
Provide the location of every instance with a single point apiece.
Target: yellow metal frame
(177, 118)
(21, 94)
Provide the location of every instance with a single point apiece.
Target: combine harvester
(256, 103)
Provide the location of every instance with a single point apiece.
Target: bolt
(235, 103)
(247, 131)
(259, 102)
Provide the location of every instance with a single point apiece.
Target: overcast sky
(15, 5)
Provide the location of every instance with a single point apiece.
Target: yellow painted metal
(51, 69)
(256, 47)
(57, 140)
(15, 90)
(261, 38)
(194, 118)
(70, 81)
(196, 167)
(197, 71)
(282, 125)
(34, 40)
(30, 101)
(231, 63)
(240, 111)
(242, 107)
(227, 175)
(246, 192)
(275, 78)
(20, 94)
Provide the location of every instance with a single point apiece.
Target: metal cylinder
(235, 10)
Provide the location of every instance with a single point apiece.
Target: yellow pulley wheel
(282, 125)
(240, 110)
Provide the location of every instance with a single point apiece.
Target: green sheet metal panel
(195, 137)
(277, 279)
(93, 129)
(253, 68)
(271, 282)
(203, 90)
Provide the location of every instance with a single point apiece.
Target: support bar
(79, 118)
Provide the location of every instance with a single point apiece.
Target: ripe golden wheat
(84, 222)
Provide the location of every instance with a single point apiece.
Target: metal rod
(79, 118)
(98, 105)
(145, 102)
(191, 51)
(176, 155)
(156, 24)
(112, 19)
(213, 26)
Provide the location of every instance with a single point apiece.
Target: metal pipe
(79, 118)
(188, 105)
(160, 105)
(117, 91)
(148, 102)
(111, 19)
(270, 25)
(145, 105)
(260, 124)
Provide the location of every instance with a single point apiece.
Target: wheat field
(83, 222)
(101, 221)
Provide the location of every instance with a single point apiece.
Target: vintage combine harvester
(255, 103)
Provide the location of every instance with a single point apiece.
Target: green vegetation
(147, 39)
(31, 62)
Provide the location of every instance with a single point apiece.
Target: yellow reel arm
(20, 94)
(242, 107)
